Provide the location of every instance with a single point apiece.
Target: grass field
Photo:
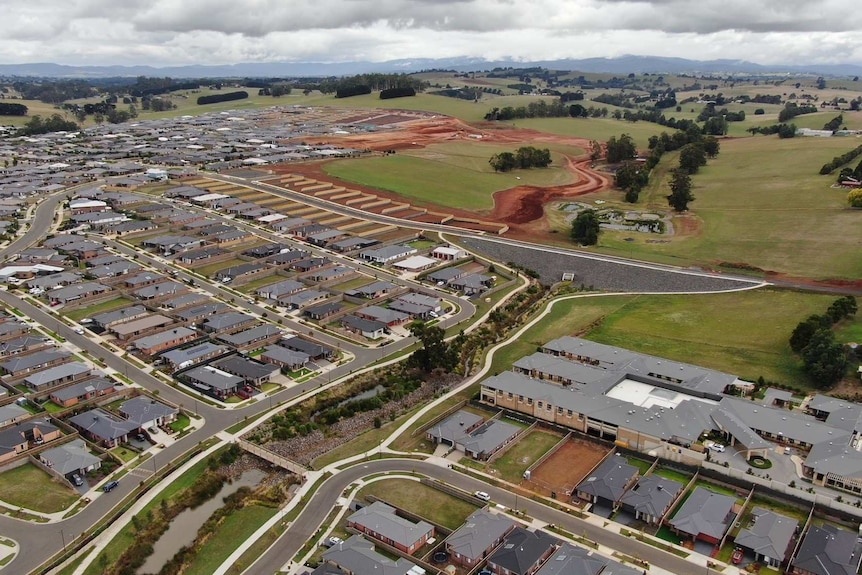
(761, 203)
(29, 487)
(600, 129)
(101, 307)
(457, 175)
(523, 454)
(236, 528)
(422, 500)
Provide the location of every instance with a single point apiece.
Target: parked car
(482, 495)
(717, 447)
(737, 556)
(787, 451)
(77, 480)
(110, 485)
(333, 541)
(152, 430)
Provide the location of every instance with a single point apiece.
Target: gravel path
(601, 275)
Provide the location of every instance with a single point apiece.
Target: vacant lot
(93, 309)
(29, 487)
(566, 468)
(422, 500)
(511, 465)
(455, 175)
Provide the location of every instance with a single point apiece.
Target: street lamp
(63, 537)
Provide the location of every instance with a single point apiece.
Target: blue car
(110, 485)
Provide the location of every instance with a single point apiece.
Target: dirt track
(522, 207)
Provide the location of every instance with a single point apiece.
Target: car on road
(482, 495)
(110, 485)
(79, 330)
(717, 447)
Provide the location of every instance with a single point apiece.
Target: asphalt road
(324, 499)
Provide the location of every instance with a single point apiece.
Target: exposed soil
(521, 208)
(566, 468)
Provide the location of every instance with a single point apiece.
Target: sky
(210, 32)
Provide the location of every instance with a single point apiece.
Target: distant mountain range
(620, 65)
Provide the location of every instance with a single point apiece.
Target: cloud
(162, 32)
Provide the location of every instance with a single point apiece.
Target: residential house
(253, 372)
(353, 243)
(769, 536)
(214, 382)
(77, 293)
(415, 264)
(302, 298)
(309, 264)
(607, 483)
(314, 350)
(22, 365)
(110, 318)
(704, 516)
(381, 522)
(22, 436)
(651, 497)
(183, 358)
(373, 290)
(228, 322)
(388, 317)
(70, 458)
(198, 313)
(83, 391)
(322, 311)
(448, 253)
(417, 305)
(202, 256)
(365, 327)
(276, 290)
(146, 412)
(287, 258)
(56, 376)
(184, 301)
(287, 359)
(387, 254)
(571, 560)
(481, 533)
(12, 412)
(522, 553)
(160, 290)
(256, 336)
(152, 344)
(827, 550)
(472, 284)
(102, 427)
(357, 556)
(142, 326)
(265, 250)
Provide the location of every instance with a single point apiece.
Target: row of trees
(226, 97)
(835, 123)
(813, 339)
(523, 158)
(839, 161)
(791, 110)
(7, 109)
(374, 81)
(783, 130)
(54, 123)
(544, 109)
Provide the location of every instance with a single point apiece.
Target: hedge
(349, 91)
(226, 97)
(12, 109)
(396, 93)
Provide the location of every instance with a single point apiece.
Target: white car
(79, 330)
(717, 447)
(482, 495)
(333, 541)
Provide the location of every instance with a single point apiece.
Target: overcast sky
(179, 32)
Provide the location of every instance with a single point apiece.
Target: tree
(854, 198)
(805, 330)
(711, 146)
(692, 157)
(435, 353)
(503, 162)
(842, 308)
(621, 149)
(585, 228)
(680, 190)
(595, 150)
(824, 359)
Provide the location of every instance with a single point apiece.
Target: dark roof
(768, 533)
(362, 324)
(828, 550)
(652, 495)
(608, 480)
(704, 512)
(245, 367)
(522, 549)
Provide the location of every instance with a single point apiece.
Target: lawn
(124, 453)
(258, 283)
(743, 333)
(422, 500)
(210, 270)
(763, 204)
(101, 307)
(456, 175)
(29, 487)
(234, 530)
(672, 475)
(523, 454)
(180, 423)
(643, 466)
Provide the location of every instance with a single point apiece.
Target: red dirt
(566, 468)
(521, 208)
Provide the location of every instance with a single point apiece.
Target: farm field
(455, 175)
(761, 203)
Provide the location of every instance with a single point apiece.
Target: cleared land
(511, 465)
(566, 468)
(455, 175)
(422, 500)
(29, 487)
